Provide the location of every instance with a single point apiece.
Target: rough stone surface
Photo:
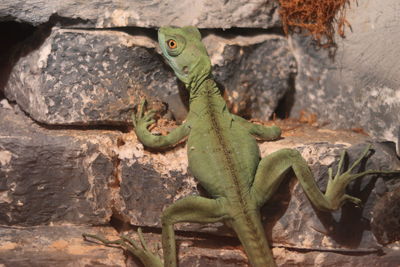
(291, 223)
(52, 176)
(361, 88)
(57, 176)
(287, 257)
(146, 174)
(48, 246)
(64, 246)
(256, 71)
(386, 218)
(99, 171)
(204, 14)
(85, 77)
(81, 77)
(302, 226)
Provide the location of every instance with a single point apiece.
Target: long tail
(251, 234)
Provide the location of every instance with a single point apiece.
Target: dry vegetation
(320, 18)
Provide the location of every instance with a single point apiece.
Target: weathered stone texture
(386, 218)
(86, 172)
(255, 71)
(302, 226)
(146, 174)
(77, 77)
(293, 224)
(96, 77)
(63, 246)
(52, 176)
(360, 89)
(48, 246)
(287, 257)
(113, 13)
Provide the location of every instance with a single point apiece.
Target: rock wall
(100, 14)
(361, 88)
(70, 162)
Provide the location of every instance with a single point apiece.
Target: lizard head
(185, 53)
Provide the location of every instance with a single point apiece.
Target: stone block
(83, 77)
(150, 181)
(100, 14)
(63, 246)
(53, 176)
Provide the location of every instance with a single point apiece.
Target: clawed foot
(141, 120)
(335, 191)
(142, 252)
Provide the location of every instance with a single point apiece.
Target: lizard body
(224, 157)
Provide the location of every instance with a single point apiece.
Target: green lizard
(224, 157)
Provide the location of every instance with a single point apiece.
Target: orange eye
(172, 44)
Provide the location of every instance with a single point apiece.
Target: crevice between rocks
(123, 128)
(14, 33)
(152, 32)
(349, 252)
(86, 127)
(286, 103)
(131, 30)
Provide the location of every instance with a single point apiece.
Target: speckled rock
(256, 71)
(49, 246)
(53, 176)
(204, 14)
(302, 226)
(386, 218)
(80, 77)
(288, 257)
(150, 181)
(64, 246)
(85, 77)
(146, 174)
(360, 89)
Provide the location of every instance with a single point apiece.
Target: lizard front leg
(264, 132)
(142, 121)
(272, 169)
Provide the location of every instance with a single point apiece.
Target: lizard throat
(207, 87)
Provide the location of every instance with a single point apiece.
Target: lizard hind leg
(271, 171)
(190, 209)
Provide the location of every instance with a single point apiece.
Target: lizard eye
(172, 44)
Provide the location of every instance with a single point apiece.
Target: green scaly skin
(224, 157)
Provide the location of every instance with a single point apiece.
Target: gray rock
(48, 246)
(152, 181)
(80, 77)
(100, 14)
(85, 77)
(64, 246)
(323, 258)
(302, 226)
(255, 73)
(360, 89)
(386, 218)
(52, 176)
